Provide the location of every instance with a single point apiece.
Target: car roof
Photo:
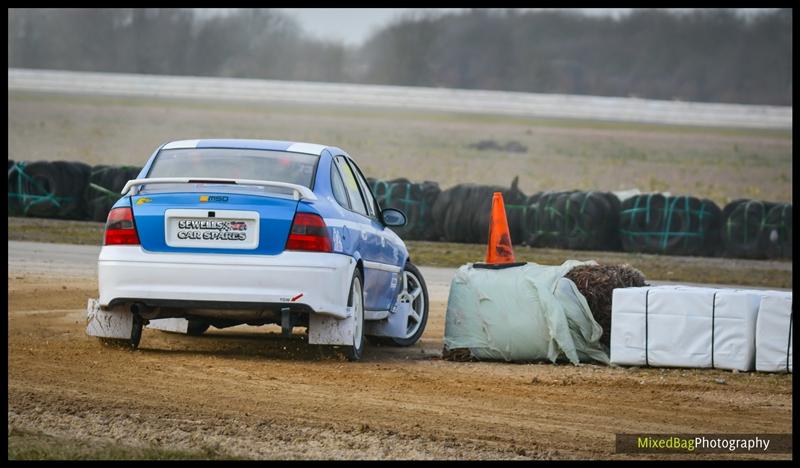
(274, 145)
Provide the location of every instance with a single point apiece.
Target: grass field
(34, 445)
(444, 254)
(721, 164)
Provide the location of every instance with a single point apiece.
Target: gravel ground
(248, 392)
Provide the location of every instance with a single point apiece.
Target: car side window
(350, 183)
(337, 184)
(372, 206)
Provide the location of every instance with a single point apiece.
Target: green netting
(777, 232)
(26, 192)
(672, 225)
(415, 200)
(404, 202)
(573, 219)
(757, 229)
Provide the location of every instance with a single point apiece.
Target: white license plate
(216, 229)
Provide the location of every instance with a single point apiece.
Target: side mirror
(393, 218)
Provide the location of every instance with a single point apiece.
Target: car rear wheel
(414, 292)
(356, 301)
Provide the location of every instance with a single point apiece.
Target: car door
(381, 250)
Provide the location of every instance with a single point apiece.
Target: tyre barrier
(46, 189)
(573, 220)
(462, 213)
(778, 232)
(648, 223)
(104, 187)
(415, 200)
(13, 204)
(757, 229)
(674, 225)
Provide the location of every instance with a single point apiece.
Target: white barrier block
(774, 333)
(681, 326)
(628, 326)
(735, 329)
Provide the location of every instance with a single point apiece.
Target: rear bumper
(320, 281)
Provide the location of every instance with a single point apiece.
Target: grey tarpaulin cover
(524, 313)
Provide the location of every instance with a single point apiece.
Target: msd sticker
(213, 198)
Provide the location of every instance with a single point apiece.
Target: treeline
(704, 55)
(253, 43)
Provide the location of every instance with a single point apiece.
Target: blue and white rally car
(229, 232)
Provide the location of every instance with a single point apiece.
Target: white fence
(436, 99)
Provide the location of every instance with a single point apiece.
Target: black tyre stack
(463, 213)
(573, 220)
(48, 189)
(681, 225)
(416, 200)
(103, 188)
(648, 223)
(757, 229)
(13, 189)
(778, 232)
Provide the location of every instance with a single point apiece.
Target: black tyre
(356, 301)
(777, 232)
(35, 189)
(54, 189)
(742, 228)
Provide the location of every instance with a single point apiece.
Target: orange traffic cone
(499, 250)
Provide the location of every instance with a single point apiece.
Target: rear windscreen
(226, 163)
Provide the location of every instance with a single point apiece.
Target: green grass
(721, 164)
(776, 274)
(27, 445)
(55, 231)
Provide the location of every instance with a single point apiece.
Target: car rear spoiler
(298, 191)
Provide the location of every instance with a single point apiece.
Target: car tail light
(309, 233)
(120, 229)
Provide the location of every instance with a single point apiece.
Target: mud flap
(174, 325)
(115, 323)
(394, 326)
(328, 330)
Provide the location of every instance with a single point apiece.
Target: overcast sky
(354, 25)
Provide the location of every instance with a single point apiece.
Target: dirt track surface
(248, 392)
